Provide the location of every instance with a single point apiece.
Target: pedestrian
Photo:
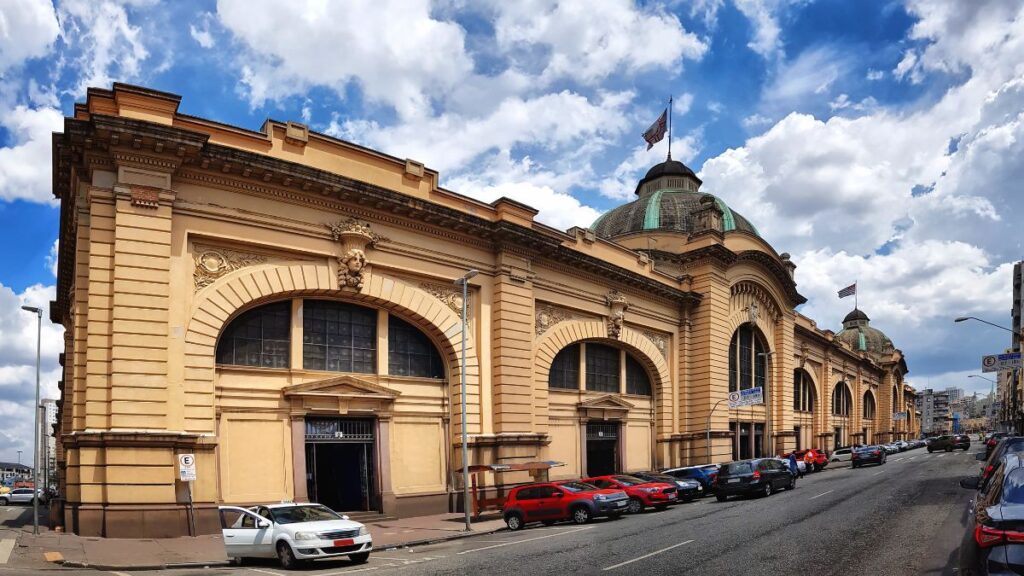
(793, 467)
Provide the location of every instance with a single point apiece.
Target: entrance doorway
(602, 448)
(837, 437)
(340, 464)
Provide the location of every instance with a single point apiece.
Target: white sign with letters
(187, 467)
(1000, 362)
(748, 397)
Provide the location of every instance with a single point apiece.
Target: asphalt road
(905, 517)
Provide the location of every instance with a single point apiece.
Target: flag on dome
(850, 290)
(656, 132)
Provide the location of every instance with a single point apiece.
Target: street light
(464, 282)
(19, 457)
(965, 318)
(35, 450)
(1013, 391)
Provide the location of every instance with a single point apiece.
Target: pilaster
(516, 398)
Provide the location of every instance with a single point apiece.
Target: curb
(437, 539)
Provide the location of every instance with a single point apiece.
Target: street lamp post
(35, 456)
(464, 282)
(709, 427)
(19, 457)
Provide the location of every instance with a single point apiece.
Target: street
(904, 517)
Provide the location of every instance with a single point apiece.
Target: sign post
(1000, 362)
(187, 473)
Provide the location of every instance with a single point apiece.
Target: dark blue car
(704, 474)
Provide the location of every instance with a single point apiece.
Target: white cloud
(51, 258)
(764, 18)
(874, 75)
(110, 47)
(25, 169)
(805, 78)
(200, 31)
(27, 30)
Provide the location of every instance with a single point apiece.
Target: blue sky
(828, 124)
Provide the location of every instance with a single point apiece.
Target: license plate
(345, 542)
(620, 503)
(732, 480)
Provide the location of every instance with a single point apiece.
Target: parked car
(991, 440)
(841, 455)
(21, 496)
(801, 466)
(760, 476)
(704, 474)
(890, 448)
(641, 492)
(868, 455)
(686, 490)
(902, 445)
(1006, 444)
(550, 502)
(819, 458)
(293, 533)
(993, 542)
(950, 443)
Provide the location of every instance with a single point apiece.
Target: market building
(281, 304)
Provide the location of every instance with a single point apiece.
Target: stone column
(708, 356)
(512, 318)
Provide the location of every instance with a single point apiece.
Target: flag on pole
(656, 132)
(850, 290)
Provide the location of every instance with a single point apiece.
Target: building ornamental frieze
(617, 305)
(450, 296)
(213, 263)
(546, 316)
(658, 340)
(355, 236)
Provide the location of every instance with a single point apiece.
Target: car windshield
(575, 487)
(629, 480)
(736, 468)
(293, 514)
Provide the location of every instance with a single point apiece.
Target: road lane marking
(912, 457)
(5, 550)
(897, 459)
(941, 455)
(526, 540)
(621, 564)
(351, 571)
(877, 473)
(265, 571)
(820, 495)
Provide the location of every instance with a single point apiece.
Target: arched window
(339, 337)
(869, 406)
(842, 400)
(747, 363)
(602, 368)
(259, 337)
(565, 369)
(803, 391)
(410, 352)
(637, 381)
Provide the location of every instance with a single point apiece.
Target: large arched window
(803, 391)
(410, 352)
(869, 406)
(260, 337)
(637, 381)
(748, 363)
(565, 369)
(842, 400)
(339, 337)
(602, 368)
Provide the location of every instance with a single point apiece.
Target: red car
(819, 459)
(641, 492)
(549, 502)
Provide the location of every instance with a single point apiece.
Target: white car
(841, 455)
(801, 466)
(292, 533)
(21, 496)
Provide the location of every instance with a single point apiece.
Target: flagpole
(855, 304)
(670, 127)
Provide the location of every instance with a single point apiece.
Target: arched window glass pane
(602, 368)
(760, 362)
(339, 337)
(637, 381)
(565, 369)
(803, 391)
(733, 376)
(746, 368)
(259, 337)
(410, 352)
(869, 406)
(841, 400)
(746, 357)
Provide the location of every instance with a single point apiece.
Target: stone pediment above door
(341, 394)
(608, 407)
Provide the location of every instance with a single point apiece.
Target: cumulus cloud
(110, 47)
(28, 29)
(25, 169)
(200, 30)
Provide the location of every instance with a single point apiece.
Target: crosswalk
(6, 546)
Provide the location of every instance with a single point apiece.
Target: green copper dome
(668, 200)
(858, 333)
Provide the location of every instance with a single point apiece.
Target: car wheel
(237, 561)
(3, 501)
(767, 490)
(514, 521)
(721, 497)
(929, 450)
(635, 506)
(580, 515)
(286, 556)
(792, 484)
(359, 558)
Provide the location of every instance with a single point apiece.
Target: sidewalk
(154, 554)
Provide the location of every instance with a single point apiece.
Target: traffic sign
(747, 397)
(1000, 362)
(187, 467)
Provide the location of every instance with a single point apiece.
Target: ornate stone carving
(212, 263)
(658, 340)
(451, 296)
(546, 316)
(617, 304)
(355, 236)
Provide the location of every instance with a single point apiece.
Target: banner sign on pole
(187, 467)
(899, 416)
(748, 397)
(1000, 362)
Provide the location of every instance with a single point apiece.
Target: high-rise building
(48, 462)
(936, 416)
(955, 394)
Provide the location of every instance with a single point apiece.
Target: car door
(22, 495)
(527, 501)
(549, 503)
(263, 545)
(240, 529)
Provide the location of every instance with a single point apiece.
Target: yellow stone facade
(174, 227)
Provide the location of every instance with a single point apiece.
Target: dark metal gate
(341, 463)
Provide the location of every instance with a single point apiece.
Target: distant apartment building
(48, 469)
(936, 416)
(955, 394)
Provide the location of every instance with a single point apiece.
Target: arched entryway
(805, 401)
(842, 408)
(749, 368)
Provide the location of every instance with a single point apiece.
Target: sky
(876, 141)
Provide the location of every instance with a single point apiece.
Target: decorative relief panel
(355, 238)
(212, 263)
(659, 341)
(451, 296)
(546, 316)
(617, 306)
(757, 295)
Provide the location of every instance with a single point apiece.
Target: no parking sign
(187, 467)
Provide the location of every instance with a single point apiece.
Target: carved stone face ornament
(617, 304)
(354, 236)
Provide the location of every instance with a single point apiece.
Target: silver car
(20, 496)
